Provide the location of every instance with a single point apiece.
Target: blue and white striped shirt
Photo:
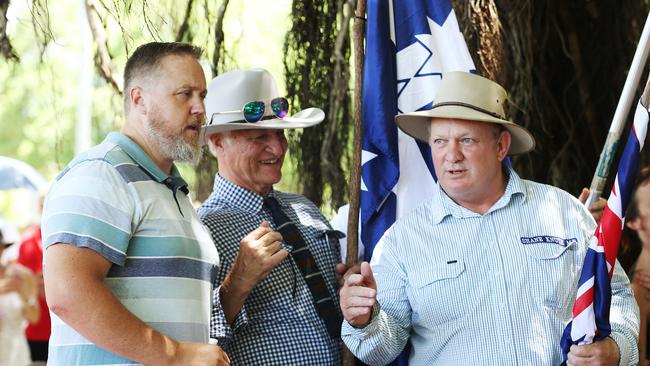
(492, 289)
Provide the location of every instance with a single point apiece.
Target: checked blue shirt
(278, 324)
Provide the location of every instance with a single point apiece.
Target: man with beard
(128, 264)
(277, 302)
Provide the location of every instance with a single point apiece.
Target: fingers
(598, 205)
(597, 208)
(279, 256)
(356, 299)
(270, 238)
(256, 234)
(368, 277)
(356, 291)
(262, 236)
(340, 269)
(578, 356)
(359, 296)
(354, 313)
(584, 195)
(604, 352)
(581, 351)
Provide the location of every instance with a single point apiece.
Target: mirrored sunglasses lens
(253, 111)
(280, 107)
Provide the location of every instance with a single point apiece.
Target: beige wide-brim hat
(468, 97)
(229, 92)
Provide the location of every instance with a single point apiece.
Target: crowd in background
(24, 315)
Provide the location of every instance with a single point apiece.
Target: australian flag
(591, 310)
(409, 44)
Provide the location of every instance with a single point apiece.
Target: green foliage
(317, 75)
(41, 93)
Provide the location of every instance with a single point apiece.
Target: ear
(634, 224)
(503, 144)
(215, 144)
(136, 95)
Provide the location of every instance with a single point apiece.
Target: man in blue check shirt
(277, 301)
(484, 273)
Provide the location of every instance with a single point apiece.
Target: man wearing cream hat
(277, 301)
(484, 273)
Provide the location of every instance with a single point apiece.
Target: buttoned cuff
(628, 350)
(219, 327)
(362, 333)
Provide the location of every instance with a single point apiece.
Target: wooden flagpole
(620, 116)
(358, 37)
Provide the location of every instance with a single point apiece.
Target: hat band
(265, 118)
(470, 106)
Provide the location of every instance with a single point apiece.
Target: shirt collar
(246, 200)
(514, 192)
(173, 181)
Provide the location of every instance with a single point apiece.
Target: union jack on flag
(591, 309)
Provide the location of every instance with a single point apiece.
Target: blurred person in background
(17, 304)
(30, 255)
(634, 254)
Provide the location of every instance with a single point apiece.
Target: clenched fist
(259, 253)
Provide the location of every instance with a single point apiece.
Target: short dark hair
(146, 60)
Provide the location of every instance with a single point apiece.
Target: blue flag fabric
(409, 44)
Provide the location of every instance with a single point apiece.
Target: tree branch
(103, 61)
(337, 97)
(485, 18)
(218, 36)
(186, 22)
(6, 48)
(584, 87)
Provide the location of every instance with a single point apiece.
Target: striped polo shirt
(115, 200)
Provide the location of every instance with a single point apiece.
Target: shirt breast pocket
(440, 293)
(553, 270)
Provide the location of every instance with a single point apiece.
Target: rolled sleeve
(219, 327)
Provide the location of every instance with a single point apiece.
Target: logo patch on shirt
(547, 239)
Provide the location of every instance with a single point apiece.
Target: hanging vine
(207, 166)
(6, 49)
(564, 65)
(317, 54)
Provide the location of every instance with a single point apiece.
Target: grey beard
(175, 149)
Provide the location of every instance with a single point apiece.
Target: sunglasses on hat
(254, 111)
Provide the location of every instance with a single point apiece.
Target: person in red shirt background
(30, 255)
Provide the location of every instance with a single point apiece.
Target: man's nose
(198, 107)
(453, 153)
(276, 145)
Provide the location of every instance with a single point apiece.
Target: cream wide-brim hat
(232, 90)
(467, 96)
